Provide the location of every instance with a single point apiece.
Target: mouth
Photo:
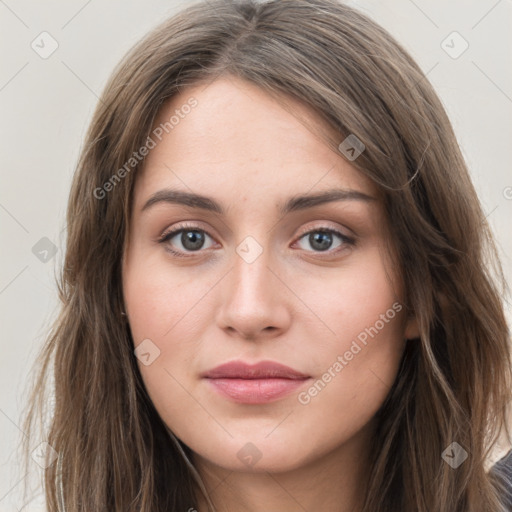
(261, 383)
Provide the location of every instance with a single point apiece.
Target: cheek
(161, 302)
(358, 352)
(350, 299)
(167, 311)
(354, 376)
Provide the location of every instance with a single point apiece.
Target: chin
(260, 455)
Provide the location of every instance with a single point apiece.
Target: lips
(260, 383)
(261, 370)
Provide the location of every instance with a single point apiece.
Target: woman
(279, 288)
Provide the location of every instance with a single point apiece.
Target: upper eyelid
(183, 227)
(325, 227)
(191, 225)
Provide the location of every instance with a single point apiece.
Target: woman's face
(260, 273)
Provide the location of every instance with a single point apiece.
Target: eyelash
(190, 227)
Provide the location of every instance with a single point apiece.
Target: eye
(187, 239)
(322, 240)
(191, 238)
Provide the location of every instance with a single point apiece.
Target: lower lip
(256, 391)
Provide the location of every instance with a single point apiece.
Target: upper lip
(261, 370)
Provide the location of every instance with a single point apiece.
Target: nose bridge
(251, 277)
(253, 298)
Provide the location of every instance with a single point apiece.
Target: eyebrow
(294, 203)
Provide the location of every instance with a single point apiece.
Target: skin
(294, 304)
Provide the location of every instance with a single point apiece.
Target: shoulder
(503, 469)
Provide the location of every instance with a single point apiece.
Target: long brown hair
(454, 382)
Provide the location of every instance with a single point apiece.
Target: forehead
(238, 138)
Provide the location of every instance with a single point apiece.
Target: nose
(255, 302)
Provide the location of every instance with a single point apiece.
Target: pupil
(320, 240)
(192, 240)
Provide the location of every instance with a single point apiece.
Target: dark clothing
(503, 468)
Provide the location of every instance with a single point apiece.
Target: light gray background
(47, 104)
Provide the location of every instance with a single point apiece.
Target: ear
(411, 328)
